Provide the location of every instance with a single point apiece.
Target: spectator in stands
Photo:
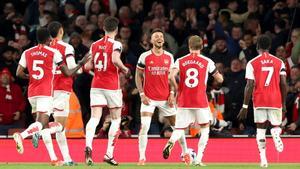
(178, 29)
(80, 23)
(127, 55)
(252, 24)
(235, 82)
(281, 35)
(100, 6)
(295, 36)
(69, 16)
(93, 19)
(294, 12)
(125, 33)
(9, 12)
(294, 114)
(292, 94)
(294, 75)
(248, 48)
(12, 103)
(80, 49)
(125, 16)
(22, 44)
(221, 53)
(87, 33)
(99, 32)
(137, 10)
(94, 7)
(7, 59)
(295, 56)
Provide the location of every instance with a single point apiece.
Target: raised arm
(69, 72)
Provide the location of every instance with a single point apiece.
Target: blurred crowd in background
(229, 29)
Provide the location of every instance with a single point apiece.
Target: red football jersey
(156, 71)
(193, 71)
(62, 82)
(265, 70)
(106, 73)
(41, 62)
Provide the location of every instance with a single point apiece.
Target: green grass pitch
(150, 166)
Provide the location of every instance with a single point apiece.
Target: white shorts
(274, 116)
(162, 106)
(109, 98)
(185, 117)
(61, 103)
(41, 104)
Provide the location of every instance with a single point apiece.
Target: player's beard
(158, 46)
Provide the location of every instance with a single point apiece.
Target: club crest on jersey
(166, 61)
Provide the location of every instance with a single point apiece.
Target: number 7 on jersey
(270, 71)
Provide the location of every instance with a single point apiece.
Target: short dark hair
(42, 35)
(111, 24)
(156, 30)
(264, 42)
(53, 28)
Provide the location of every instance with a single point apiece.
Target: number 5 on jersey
(36, 67)
(100, 65)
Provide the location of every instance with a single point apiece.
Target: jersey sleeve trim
(141, 67)
(214, 72)
(69, 55)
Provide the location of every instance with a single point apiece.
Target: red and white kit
(192, 99)
(156, 84)
(105, 88)
(62, 84)
(41, 62)
(265, 70)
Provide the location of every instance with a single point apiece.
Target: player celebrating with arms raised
(266, 79)
(192, 103)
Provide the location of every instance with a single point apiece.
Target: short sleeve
(57, 58)
(172, 62)
(176, 65)
(22, 61)
(249, 72)
(69, 51)
(211, 67)
(282, 69)
(117, 46)
(141, 61)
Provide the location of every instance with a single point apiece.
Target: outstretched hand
(85, 59)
